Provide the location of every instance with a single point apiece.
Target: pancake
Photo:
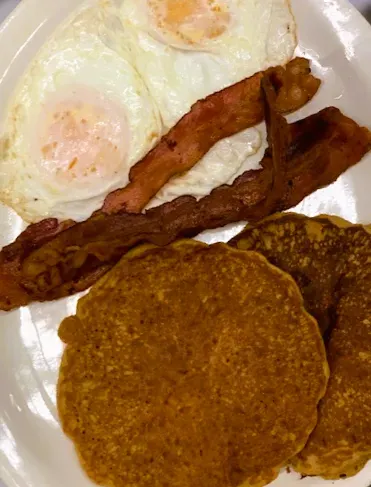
(330, 259)
(190, 365)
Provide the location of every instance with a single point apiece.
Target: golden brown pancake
(190, 365)
(331, 261)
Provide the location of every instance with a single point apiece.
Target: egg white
(76, 59)
(228, 158)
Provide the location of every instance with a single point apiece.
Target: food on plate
(80, 117)
(190, 365)
(320, 149)
(220, 115)
(295, 244)
(330, 259)
(188, 49)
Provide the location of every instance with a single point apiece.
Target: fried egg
(113, 79)
(187, 49)
(80, 117)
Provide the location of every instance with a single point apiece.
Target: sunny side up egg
(113, 79)
(187, 49)
(80, 117)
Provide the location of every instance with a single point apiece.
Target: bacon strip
(220, 115)
(320, 148)
(234, 108)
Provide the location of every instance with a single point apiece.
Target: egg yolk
(83, 137)
(190, 22)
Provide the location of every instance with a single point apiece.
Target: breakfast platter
(123, 124)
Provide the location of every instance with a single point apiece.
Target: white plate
(33, 450)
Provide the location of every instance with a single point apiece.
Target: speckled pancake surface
(331, 261)
(190, 365)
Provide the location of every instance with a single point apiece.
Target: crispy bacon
(235, 108)
(32, 238)
(302, 158)
(220, 115)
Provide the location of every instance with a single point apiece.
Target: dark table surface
(364, 6)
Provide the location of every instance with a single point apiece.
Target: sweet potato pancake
(330, 259)
(190, 365)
